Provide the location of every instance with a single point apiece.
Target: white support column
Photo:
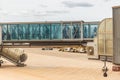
(0, 35)
(81, 29)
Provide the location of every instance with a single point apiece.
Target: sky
(55, 10)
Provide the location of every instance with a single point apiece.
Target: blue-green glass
(45, 31)
(76, 31)
(9, 34)
(89, 30)
(86, 31)
(13, 32)
(66, 31)
(93, 29)
(4, 32)
(40, 31)
(23, 31)
(56, 31)
(34, 31)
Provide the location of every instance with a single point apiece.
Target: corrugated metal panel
(116, 35)
(105, 39)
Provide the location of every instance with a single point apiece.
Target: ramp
(14, 55)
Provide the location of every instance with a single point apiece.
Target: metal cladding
(105, 38)
(15, 55)
(116, 35)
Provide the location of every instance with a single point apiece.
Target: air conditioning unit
(92, 50)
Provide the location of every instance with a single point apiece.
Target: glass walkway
(69, 30)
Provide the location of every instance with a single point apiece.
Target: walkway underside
(45, 43)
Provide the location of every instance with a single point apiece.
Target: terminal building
(59, 32)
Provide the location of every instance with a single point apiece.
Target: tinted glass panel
(56, 31)
(66, 31)
(4, 32)
(76, 31)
